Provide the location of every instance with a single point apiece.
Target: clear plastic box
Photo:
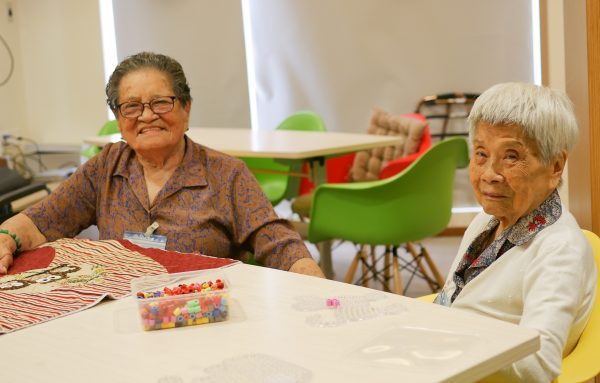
(194, 300)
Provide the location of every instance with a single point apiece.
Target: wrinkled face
(150, 131)
(507, 174)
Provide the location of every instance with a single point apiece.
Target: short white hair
(545, 115)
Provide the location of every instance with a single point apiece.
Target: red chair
(338, 168)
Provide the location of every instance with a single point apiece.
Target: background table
(106, 343)
(312, 147)
(290, 144)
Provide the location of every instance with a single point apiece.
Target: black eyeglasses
(134, 109)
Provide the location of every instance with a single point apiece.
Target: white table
(288, 144)
(106, 343)
(284, 145)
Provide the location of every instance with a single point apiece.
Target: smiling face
(152, 134)
(507, 175)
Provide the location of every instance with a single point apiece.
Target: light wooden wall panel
(576, 78)
(593, 48)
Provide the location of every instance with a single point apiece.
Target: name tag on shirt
(152, 241)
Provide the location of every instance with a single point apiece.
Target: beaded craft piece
(337, 311)
(252, 368)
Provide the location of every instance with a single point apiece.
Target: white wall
(207, 38)
(379, 52)
(61, 67)
(12, 94)
(344, 57)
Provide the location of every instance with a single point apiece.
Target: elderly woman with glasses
(524, 259)
(159, 181)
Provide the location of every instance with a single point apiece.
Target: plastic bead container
(181, 299)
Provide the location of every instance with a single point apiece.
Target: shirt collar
(191, 171)
(527, 227)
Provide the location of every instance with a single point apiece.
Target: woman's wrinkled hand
(7, 247)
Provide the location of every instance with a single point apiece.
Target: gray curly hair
(143, 60)
(545, 115)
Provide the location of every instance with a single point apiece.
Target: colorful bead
(183, 289)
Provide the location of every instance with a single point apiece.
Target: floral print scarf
(478, 257)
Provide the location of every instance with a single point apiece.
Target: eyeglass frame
(173, 99)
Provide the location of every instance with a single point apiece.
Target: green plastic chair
(110, 127)
(408, 207)
(278, 187)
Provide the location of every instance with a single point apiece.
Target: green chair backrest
(303, 120)
(110, 127)
(279, 186)
(410, 206)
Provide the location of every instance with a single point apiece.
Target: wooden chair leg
(386, 269)
(353, 266)
(397, 278)
(373, 256)
(365, 267)
(410, 248)
(432, 266)
(373, 268)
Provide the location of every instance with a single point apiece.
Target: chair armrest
(22, 192)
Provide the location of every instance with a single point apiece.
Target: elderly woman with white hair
(524, 259)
